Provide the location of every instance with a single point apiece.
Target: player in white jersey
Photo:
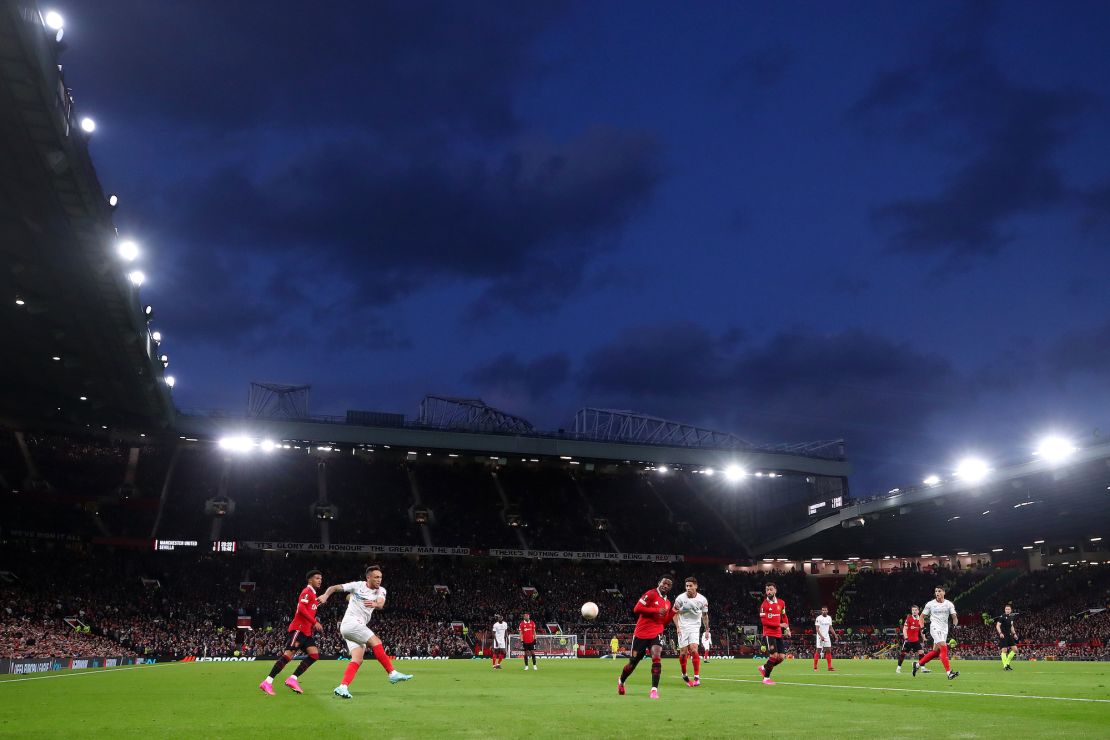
(691, 613)
(825, 634)
(500, 640)
(365, 597)
(706, 643)
(941, 613)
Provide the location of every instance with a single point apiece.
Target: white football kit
(690, 613)
(823, 623)
(355, 627)
(500, 629)
(940, 616)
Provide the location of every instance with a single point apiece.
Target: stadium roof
(71, 320)
(1017, 506)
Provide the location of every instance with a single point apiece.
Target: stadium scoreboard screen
(168, 545)
(826, 506)
(224, 546)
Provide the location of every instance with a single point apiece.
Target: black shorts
(643, 645)
(1006, 642)
(300, 641)
(911, 646)
(773, 644)
(528, 646)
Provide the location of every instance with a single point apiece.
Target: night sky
(887, 222)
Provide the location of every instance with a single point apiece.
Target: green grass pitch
(863, 699)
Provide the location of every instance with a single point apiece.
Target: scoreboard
(826, 506)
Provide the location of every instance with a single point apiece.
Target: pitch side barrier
(45, 665)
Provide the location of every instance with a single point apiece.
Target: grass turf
(468, 698)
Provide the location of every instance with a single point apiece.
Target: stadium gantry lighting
(54, 20)
(734, 473)
(1096, 539)
(1055, 449)
(997, 549)
(236, 443)
(662, 469)
(972, 470)
(88, 125)
(1038, 542)
(84, 398)
(113, 201)
(708, 471)
(932, 480)
(1026, 547)
(962, 553)
(137, 278)
(267, 445)
(56, 358)
(148, 312)
(128, 250)
(156, 336)
(20, 302)
(165, 360)
(171, 381)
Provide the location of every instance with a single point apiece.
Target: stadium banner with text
(43, 665)
(380, 549)
(643, 557)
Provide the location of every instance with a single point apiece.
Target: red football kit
(773, 616)
(650, 624)
(304, 620)
(913, 629)
(527, 631)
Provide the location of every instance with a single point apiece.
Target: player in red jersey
(776, 625)
(911, 637)
(301, 629)
(528, 640)
(653, 611)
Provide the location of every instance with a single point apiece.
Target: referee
(1007, 637)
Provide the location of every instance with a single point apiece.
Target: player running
(691, 613)
(528, 640)
(825, 634)
(911, 639)
(653, 611)
(301, 629)
(500, 640)
(366, 596)
(1007, 637)
(939, 613)
(772, 614)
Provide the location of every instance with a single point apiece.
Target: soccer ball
(589, 610)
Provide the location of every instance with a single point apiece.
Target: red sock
(816, 657)
(379, 653)
(349, 674)
(697, 664)
(927, 657)
(944, 656)
(828, 657)
(682, 662)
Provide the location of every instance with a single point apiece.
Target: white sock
(269, 679)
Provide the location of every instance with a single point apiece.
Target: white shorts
(939, 635)
(499, 645)
(824, 642)
(689, 636)
(356, 635)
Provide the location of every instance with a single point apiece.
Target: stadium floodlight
(927, 555)
(54, 20)
(236, 443)
(972, 469)
(88, 125)
(663, 469)
(128, 250)
(734, 473)
(1038, 542)
(932, 480)
(113, 201)
(171, 381)
(21, 302)
(56, 358)
(962, 553)
(165, 360)
(708, 471)
(1096, 539)
(267, 445)
(1055, 449)
(156, 336)
(997, 549)
(84, 398)
(1026, 547)
(137, 278)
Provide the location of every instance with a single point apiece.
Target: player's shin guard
(304, 665)
(656, 671)
(349, 673)
(379, 654)
(697, 664)
(279, 665)
(944, 656)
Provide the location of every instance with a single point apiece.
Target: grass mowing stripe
(915, 691)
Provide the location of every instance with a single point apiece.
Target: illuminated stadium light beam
(236, 444)
(932, 480)
(88, 125)
(972, 470)
(156, 336)
(267, 445)
(734, 473)
(171, 381)
(663, 469)
(128, 250)
(113, 200)
(1055, 449)
(54, 20)
(137, 278)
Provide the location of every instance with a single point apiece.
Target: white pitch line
(915, 691)
(91, 672)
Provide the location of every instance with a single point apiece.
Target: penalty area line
(914, 691)
(91, 672)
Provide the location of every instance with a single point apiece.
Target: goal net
(547, 646)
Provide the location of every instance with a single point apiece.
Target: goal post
(547, 646)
